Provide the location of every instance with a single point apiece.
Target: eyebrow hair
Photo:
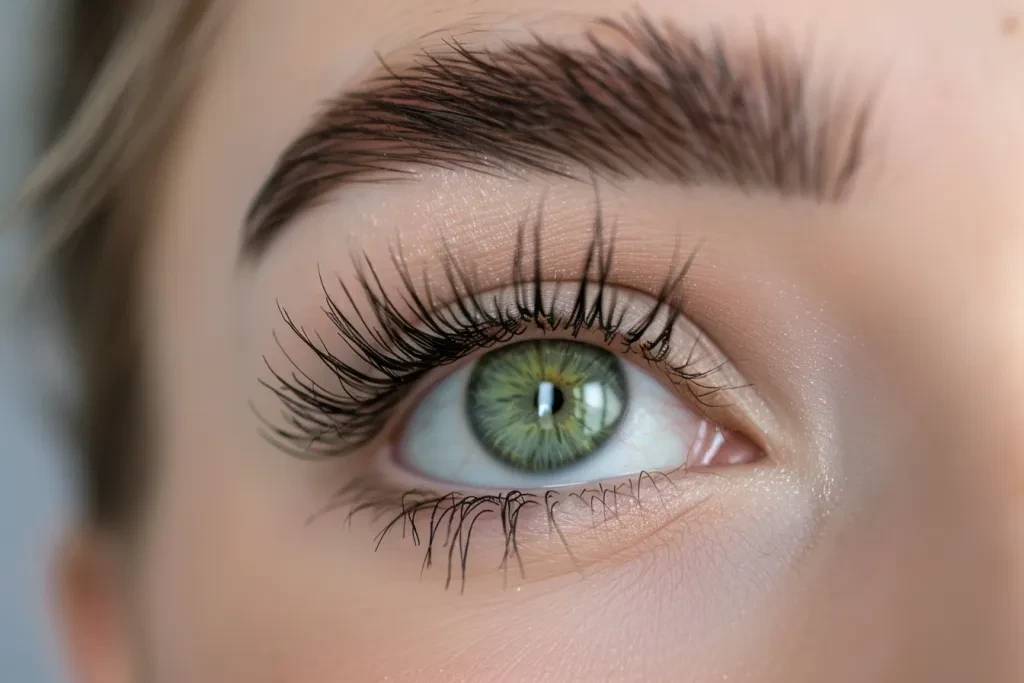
(660, 105)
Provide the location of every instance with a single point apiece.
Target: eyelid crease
(395, 340)
(669, 107)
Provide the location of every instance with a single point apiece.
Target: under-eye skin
(541, 401)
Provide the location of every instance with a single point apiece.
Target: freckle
(1010, 24)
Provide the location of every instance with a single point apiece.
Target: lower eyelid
(516, 537)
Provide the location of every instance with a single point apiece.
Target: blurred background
(34, 370)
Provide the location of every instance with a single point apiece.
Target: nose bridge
(1013, 278)
(951, 329)
(1003, 333)
(998, 390)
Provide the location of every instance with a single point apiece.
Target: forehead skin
(890, 327)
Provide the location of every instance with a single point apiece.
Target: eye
(524, 417)
(545, 413)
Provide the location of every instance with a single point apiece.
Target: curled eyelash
(396, 339)
(443, 524)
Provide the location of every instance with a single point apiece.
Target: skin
(880, 540)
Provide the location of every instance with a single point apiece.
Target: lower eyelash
(399, 349)
(443, 524)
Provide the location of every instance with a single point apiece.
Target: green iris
(541, 405)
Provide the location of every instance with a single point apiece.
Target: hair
(129, 67)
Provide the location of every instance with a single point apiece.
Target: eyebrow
(637, 100)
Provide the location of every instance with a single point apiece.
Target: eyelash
(453, 515)
(400, 349)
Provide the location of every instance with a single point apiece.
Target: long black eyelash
(443, 524)
(395, 349)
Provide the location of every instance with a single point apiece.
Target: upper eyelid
(695, 365)
(472, 321)
(736, 115)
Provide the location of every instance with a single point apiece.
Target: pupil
(556, 404)
(548, 399)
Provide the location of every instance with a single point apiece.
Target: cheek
(218, 579)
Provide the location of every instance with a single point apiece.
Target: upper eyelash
(401, 348)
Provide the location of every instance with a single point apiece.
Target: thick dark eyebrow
(645, 100)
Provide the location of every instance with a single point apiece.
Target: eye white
(656, 434)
